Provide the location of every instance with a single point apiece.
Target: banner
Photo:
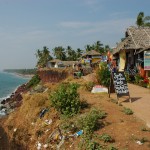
(146, 60)
(122, 60)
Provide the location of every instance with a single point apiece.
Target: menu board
(120, 84)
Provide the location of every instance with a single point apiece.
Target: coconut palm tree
(79, 52)
(59, 52)
(43, 57)
(88, 48)
(98, 46)
(142, 20)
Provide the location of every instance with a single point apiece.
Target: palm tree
(59, 52)
(79, 52)
(69, 52)
(142, 20)
(98, 46)
(43, 57)
(88, 48)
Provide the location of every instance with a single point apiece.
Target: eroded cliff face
(53, 75)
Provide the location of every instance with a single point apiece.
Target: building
(91, 56)
(56, 63)
(130, 51)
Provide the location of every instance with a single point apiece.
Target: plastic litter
(45, 145)
(139, 142)
(78, 133)
(39, 145)
(15, 129)
(61, 142)
(42, 113)
(48, 122)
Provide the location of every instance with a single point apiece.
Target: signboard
(120, 84)
(146, 60)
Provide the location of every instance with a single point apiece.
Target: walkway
(140, 102)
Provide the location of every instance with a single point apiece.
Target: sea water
(9, 83)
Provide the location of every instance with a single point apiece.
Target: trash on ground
(42, 113)
(45, 145)
(61, 142)
(15, 129)
(99, 89)
(48, 122)
(39, 145)
(78, 133)
(139, 142)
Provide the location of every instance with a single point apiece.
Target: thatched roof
(136, 38)
(55, 60)
(69, 62)
(63, 62)
(92, 53)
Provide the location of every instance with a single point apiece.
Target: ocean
(9, 83)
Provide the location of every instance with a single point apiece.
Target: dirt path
(140, 102)
(125, 129)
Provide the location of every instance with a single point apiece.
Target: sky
(28, 25)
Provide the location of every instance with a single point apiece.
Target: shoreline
(19, 74)
(28, 76)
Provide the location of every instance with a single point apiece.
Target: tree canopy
(43, 57)
(143, 20)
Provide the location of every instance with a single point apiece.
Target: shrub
(90, 122)
(127, 111)
(90, 145)
(106, 138)
(66, 99)
(112, 148)
(89, 86)
(138, 78)
(103, 74)
(34, 81)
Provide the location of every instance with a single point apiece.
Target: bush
(106, 138)
(103, 74)
(138, 78)
(66, 99)
(89, 123)
(34, 81)
(89, 86)
(90, 145)
(127, 111)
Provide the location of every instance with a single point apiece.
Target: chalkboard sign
(120, 84)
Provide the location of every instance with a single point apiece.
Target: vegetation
(34, 81)
(103, 74)
(127, 111)
(98, 46)
(66, 99)
(143, 20)
(43, 57)
(89, 86)
(90, 122)
(106, 138)
(59, 53)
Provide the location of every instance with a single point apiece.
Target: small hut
(130, 51)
